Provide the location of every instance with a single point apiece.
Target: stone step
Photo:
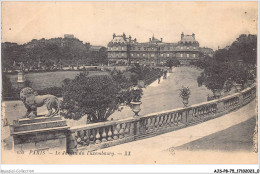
(39, 125)
(38, 119)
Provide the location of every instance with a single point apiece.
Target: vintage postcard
(129, 83)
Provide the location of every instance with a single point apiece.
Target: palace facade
(124, 50)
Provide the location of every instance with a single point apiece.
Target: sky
(214, 23)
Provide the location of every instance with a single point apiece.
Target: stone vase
(136, 107)
(185, 100)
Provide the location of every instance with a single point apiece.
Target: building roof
(188, 38)
(95, 48)
(119, 39)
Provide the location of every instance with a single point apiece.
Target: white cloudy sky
(214, 23)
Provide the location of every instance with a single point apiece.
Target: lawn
(43, 80)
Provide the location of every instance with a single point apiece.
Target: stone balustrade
(110, 133)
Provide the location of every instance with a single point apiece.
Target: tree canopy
(96, 96)
(236, 63)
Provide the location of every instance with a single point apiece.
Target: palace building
(123, 50)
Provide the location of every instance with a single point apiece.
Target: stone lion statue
(32, 100)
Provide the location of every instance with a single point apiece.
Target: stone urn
(140, 83)
(238, 87)
(136, 107)
(185, 100)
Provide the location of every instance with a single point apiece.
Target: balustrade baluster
(86, 137)
(127, 125)
(104, 135)
(193, 113)
(92, 137)
(152, 123)
(163, 121)
(132, 127)
(176, 118)
(109, 133)
(147, 124)
(179, 118)
(168, 120)
(115, 132)
(98, 136)
(121, 130)
(156, 124)
(160, 122)
(172, 119)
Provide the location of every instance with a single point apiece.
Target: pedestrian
(159, 79)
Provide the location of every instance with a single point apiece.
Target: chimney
(114, 35)
(124, 35)
(135, 39)
(182, 35)
(150, 39)
(161, 39)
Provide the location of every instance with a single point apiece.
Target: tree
(231, 64)
(97, 97)
(8, 91)
(169, 63)
(139, 71)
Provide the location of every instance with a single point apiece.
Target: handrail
(105, 134)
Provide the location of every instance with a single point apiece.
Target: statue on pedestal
(32, 100)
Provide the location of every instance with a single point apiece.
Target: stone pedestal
(39, 135)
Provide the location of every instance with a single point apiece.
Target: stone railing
(105, 134)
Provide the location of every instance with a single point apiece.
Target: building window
(194, 55)
(123, 54)
(162, 48)
(132, 54)
(188, 48)
(122, 48)
(162, 55)
(168, 55)
(139, 48)
(137, 55)
(181, 48)
(194, 48)
(144, 55)
(188, 55)
(181, 55)
(133, 48)
(152, 55)
(168, 48)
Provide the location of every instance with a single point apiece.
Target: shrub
(97, 96)
(185, 92)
